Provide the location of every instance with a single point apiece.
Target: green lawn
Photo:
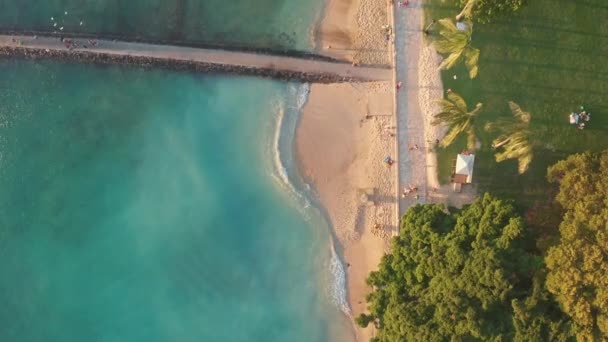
(551, 57)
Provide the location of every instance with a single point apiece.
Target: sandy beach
(342, 139)
(353, 30)
(346, 131)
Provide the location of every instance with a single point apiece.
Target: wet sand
(345, 133)
(347, 130)
(343, 136)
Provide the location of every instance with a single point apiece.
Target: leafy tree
(515, 138)
(455, 115)
(456, 43)
(578, 264)
(485, 10)
(461, 277)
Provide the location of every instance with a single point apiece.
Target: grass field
(550, 58)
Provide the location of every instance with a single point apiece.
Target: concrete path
(250, 60)
(410, 126)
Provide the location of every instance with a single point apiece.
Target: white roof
(464, 165)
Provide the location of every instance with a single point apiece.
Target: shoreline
(348, 124)
(339, 154)
(287, 167)
(341, 139)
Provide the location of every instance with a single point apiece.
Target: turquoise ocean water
(152, 206)
(282, 24)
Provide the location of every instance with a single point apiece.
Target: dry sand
(344, 134)
(341, 152)
(353, 30)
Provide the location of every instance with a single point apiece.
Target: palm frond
(455, 116)
(449, 138)
(456, 44)
(471, 60)
(467, 10)
(458, 101)
(451, 60)
(477, 109)
(523, 162)
(517, 147)
(518, 113)
(447, 24)
(450, 42)
(471, 138)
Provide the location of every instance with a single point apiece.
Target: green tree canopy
(462, 277)
(455, 114)
(484, 11)
(578, 264)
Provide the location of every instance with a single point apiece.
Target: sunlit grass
(550, 59)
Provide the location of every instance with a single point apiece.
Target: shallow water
(276, 24)
(144, 206)
(549, 58)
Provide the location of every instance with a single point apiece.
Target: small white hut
(463, 170)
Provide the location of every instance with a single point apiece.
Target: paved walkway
(250, 60)
(410, 125)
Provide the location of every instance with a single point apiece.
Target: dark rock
(97, 58)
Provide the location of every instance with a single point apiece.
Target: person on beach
(399, 85)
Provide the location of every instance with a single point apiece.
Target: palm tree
(467, 10)
(515, 138)
(456, 43)
(455, 115)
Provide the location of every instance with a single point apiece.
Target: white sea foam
(284, 133)
(337, 290)
(283, 139)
